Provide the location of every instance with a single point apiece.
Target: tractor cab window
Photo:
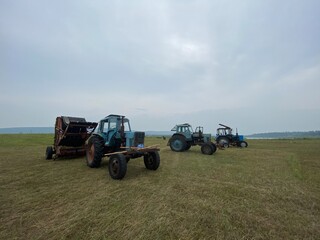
(105, 127)
(184, 129)
(112, 125)
(126, 126)
(109, 125)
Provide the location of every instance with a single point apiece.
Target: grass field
(270, 190)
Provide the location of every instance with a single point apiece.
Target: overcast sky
(250, 64)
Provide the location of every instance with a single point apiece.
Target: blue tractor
(184, 137)
(113, 138)
(226, 138)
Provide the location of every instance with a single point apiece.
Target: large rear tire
(178, 143)
(94, 151)
(223, 142)
(152, 160)
(117, 166)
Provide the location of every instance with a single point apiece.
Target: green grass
(270, 190)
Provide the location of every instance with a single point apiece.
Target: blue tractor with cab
(226, 138)
(114, 138)
(184, 137)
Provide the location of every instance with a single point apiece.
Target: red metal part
(71, 134)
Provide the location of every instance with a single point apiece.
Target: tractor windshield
(182, 128)
(188, 129)
(224, 131)
(126, 125)
(114, 124)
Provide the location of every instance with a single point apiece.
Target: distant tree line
(309, 134)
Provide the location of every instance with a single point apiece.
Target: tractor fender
(94, 134)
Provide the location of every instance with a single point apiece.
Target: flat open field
(270, 190)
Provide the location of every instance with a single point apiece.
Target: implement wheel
(94, 151)
(152, 160)
(178, 143)
(49, 153)
(117, 166)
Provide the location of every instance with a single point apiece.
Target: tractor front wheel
(117, 166)
(207, 149)
(178, 143)
(94, 151)
(214, 147)
(152, 160)
(243, 144)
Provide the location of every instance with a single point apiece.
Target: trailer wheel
(243, 144)
(49, 153)
(207, 149)
(152, 160)
(178, 143)
(117, 166)
(94, 151)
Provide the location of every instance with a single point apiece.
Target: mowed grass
(270, 190)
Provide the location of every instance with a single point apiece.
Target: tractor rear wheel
(178, 143)
(94, 151)
(49, 153)
(207, 149)
(117, 166)
(223, 142)
(152, 160)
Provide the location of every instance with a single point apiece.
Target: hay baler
(70, 135)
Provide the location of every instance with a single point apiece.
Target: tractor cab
(224, 131)
(113, 126)
(185, 129)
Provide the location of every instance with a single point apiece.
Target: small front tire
(214, 147)
(207, 149)
(243, 144)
